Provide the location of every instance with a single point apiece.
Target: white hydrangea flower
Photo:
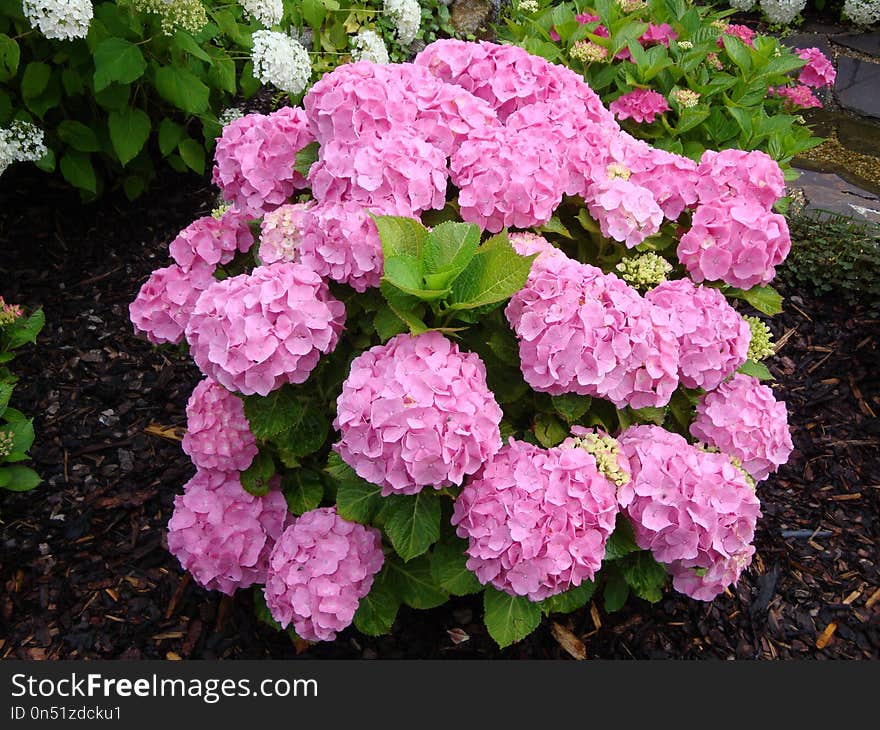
(229, 115)
(407, 16)
(281, 61)
(743, 5)
(267, 12)
(862, 12)
(188, 15)
(369, 46)
(782, 11)
(61, 20)
(20, 142)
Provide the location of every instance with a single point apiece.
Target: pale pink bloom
(281, 233)
(209, 242)
(625, 211)
(165, 302)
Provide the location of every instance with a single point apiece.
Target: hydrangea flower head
(165, 302)
(369, 46)
(266, 12)
(782, 11)
(255, 332)
(692, 509)
(743, 32)
(281, 233)
(416, 412)
(751, 175)
(319, 570)
(407, 18)
(20, 142)
(625, 211)
(582, 331)
(281, 61)
(223, 535)
(218, 435)
(536, 520)
(743, 419)
(713, 340)
(818, 71)
(640, 105)
(61, 20)
(761, 345)
(209, 241)
(796, 97)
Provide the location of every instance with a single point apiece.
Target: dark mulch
(85, 573)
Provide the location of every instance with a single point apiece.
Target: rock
(827, 191)
(469, 15)
(868, 43)
(857, 84)
(809, 40)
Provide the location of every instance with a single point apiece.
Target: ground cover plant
(105, 92)
(476, 340)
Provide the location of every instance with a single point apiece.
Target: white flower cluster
(281, 61)
(188, 15)
(267, 12)
(742, 5)
(782, 11)
(20, 142)
(229, 115)
(407, 16)
(528, 6)
(369, 46)
(862, 12)
(61, 20)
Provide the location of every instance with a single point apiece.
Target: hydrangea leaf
(182, 88)
(303, 490)
(25, 330)
(449, 567)
(117, 60)
(571, 406)
(10, 55)
(78, 136)
(401, 236)
(495, 273)
(405, 307)
(356, 499)
(449, 248)
(78, 171)
(615, 592)
(412, 522)
(644, 575)
(193, 154)
(378, 609)
(756, 370)
(18, 478)
(22, 435)
(763, 298)
(256, 478)
(415, 583)
(549, 431)
(388, 324)
(6, 388)
(129, 132)
(305, 437)
(570, 600)
(509, 618)
(622, 541)
(305, 158)
(738, 51)
(274, 413)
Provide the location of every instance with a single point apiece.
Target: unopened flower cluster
(174, 15)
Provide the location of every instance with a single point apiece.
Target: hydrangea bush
(507, 361)
(787, 12)
(16, 429)
(116, 85)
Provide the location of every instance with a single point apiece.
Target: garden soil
(84, 569)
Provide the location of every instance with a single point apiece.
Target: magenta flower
(736, 173)
(218, 435)
(223, 535)
(416, 412)
(796, 97)
(255, 332)
(743, 32)
(819, 71)
(209, 242)
(165, 303)
(713, 340)
(536, 520)
(744, 420)
(640, 105)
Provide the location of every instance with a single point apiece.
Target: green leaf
(26, 330)
(170, 133)
(6, 388)
(186, 42)
(22, 435)
(615, 592)
(387, 323)
(305, 158)
(571, 406)
(554, 225)
(401, 236)
(221, 75)
(644, 575)
(448, 250)
(261, 610)
(270, 415)
(256, 478)
(78, 136)
(622, 541)
(248, 83)
(494, 274)
(129, 132)
(117, 60)
(448, 565)
(313, 13)
(181, 87)
(193, 154)
(404, 306)
(509, 618)
(114, 97)
(763, 298)
(570, 600)
(356, 499)
(18, 478)
(738, 51)
(305, 437)
(549, 431)
(377, 610)
(134, 186)
(414, 583)
(303, 490)
(10, 55)
(412, 522)
(78, 171)
(35, 79)
(756, 369)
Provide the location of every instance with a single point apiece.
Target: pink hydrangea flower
(693, 510)
(713, 340)
(416, 412)
(526, 243)
(509, 178)
(582, 331)
(640, 105)
(536, 520)
(796, 97)
(626, 212)
(223, 535)
(255, 332)
(587, 18)
(742, 418)
(819, 71)
(398, 170)
(734, 240)
(165, 302)
(281, 233)
(670, 178)
(319, 571)
(340, 241)
(255, 157)
(752, 175)
(655, 35)
(218, 435)
(743, 32)
(210, 241)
